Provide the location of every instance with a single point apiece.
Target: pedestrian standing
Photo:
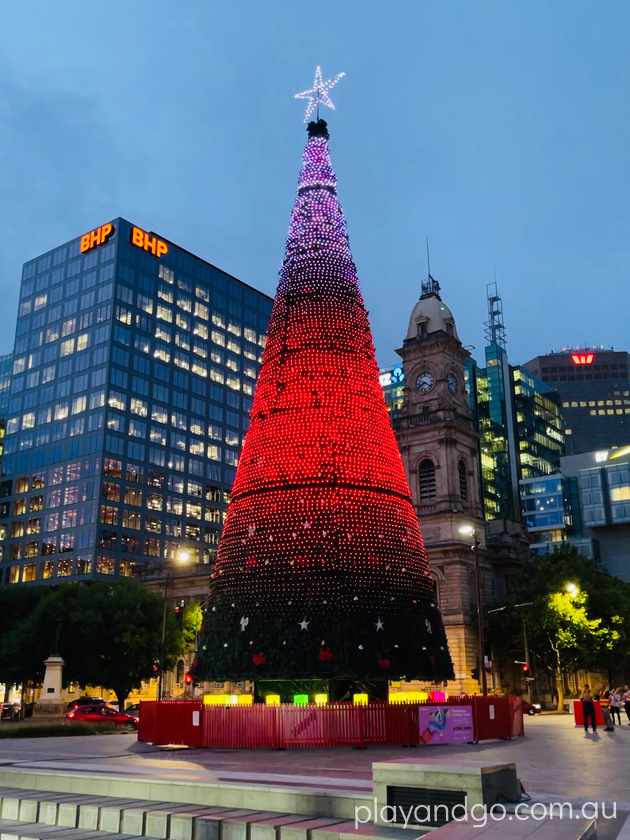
(588, 708)
(625, 697)
(603, 698)
(615, 705)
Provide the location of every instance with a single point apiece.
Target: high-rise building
(586, 503)
(594, 387)
(519, 421)
(133, 376)
(6, 368)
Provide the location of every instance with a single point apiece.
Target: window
(131, 519)
(155, 501)
(138, 407)
(112, 468)
(463, 481)
(111, 491)
(133, 496)
(164, 314)
(426, 475)
(117, 400)
(109, 515)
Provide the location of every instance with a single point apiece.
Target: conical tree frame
(321, 568)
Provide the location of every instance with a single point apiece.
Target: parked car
(133, 710)
(101, 713)
(10, 711)
(84, 701)
(531, 708)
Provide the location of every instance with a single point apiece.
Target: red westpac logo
(148, 243)
(582, 358)
(96, 237)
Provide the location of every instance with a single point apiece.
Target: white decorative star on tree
(379, 624)
(318, 93)
(304, 624)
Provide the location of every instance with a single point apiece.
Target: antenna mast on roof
(495, 328)
(430, 286)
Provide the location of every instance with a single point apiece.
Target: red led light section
(583, 358)
(321, 567)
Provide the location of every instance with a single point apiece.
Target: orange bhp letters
(96, 237)
(148, 243)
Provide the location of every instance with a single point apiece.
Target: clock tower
(440, 450)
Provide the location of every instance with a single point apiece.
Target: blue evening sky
(498, 129)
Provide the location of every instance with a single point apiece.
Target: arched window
(180, 672)
(426, 475)
(436, 591)
(463, 480)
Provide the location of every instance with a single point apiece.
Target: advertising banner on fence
(445, 724)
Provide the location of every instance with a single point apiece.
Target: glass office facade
(541, 439)
(594, 386)
(393, 383)
(6, 368)
(133, 375)
(520, 427)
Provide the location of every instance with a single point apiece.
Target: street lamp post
(471, 532)
(182, 557)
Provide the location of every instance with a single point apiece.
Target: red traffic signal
(188, 678)
(525, 668)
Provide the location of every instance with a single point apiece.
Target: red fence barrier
(191, 723)
(578, 713)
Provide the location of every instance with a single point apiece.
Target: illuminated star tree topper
(318, 93)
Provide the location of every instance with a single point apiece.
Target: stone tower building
(440, 450)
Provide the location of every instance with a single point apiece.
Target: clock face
(452, 383)
(425, 382)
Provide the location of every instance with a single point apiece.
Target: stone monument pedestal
(50, 701)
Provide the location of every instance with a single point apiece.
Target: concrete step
(16, 830)
(40, 814)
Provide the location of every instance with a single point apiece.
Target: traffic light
(475, 674)
(156, 667)
(179, 613)
(188, 679)
(525, 668)
(529, 680)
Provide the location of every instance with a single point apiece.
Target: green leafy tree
(110, 635)
(584, 626)
(16, 605)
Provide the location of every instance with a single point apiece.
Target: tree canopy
(110, 635)
(577, 615)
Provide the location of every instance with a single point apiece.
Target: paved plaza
(553, 759)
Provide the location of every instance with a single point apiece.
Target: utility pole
(528, 678)
(482, 645)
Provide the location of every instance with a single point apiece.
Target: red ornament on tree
(258, 658)
(325, 654)
(384, 664)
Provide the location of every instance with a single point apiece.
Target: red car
(101, 713)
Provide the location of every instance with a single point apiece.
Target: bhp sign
(147, 242)
(96, 237)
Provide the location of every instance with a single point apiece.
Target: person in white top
(615, 704)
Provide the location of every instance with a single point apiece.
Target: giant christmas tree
(321, 569)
